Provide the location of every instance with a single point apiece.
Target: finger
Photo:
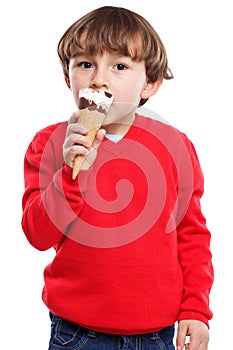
(204, 346)
(98, 139)
(195, 344)
(90, 158)
(74, 117)
(76, 139)
(100, 135)
(76, 128)
(73, 152)
(181, 336)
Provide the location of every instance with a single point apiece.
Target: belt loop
(154, 335)
(91, 333)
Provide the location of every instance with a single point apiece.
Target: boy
(132, 247)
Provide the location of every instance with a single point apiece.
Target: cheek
(130, 92)
(75, 96)
(75, 86)
(127, 94)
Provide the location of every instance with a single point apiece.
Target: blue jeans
(69, 336)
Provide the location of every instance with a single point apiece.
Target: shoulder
(51, 129)
(160, 127)
(175, 141)
(50, 132)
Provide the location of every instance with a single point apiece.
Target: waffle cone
(92, 120)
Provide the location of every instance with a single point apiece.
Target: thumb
(98, 139)
(181, 335)
(91, 156)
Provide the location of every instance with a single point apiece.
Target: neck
(120, 127)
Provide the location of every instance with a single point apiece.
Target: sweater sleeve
(52, 200)
(194, 252)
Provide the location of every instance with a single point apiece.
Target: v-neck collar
(126, 142)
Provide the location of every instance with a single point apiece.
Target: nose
(100, 79)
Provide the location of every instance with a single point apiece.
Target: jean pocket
(166, 336)
(67, 335)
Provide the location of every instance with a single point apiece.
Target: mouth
(100, 100)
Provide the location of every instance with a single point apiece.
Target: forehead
(93, 43)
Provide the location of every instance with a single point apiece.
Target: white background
(198, 38)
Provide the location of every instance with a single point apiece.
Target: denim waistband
(153, 335)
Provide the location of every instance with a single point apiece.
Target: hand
(76, 143)
(198, 333)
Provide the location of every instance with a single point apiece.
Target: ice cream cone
(92, 120)
(93, 107)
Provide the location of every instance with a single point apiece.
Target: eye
(120, 66)
(85, 65)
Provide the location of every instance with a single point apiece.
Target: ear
(67, 80)
(150, 88)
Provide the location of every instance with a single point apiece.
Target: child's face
(125, 79)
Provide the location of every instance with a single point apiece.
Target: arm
(49, 190)
(52, 200)
(195, 259)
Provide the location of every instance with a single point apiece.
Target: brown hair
(116, 29)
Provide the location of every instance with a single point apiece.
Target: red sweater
(132, 247)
